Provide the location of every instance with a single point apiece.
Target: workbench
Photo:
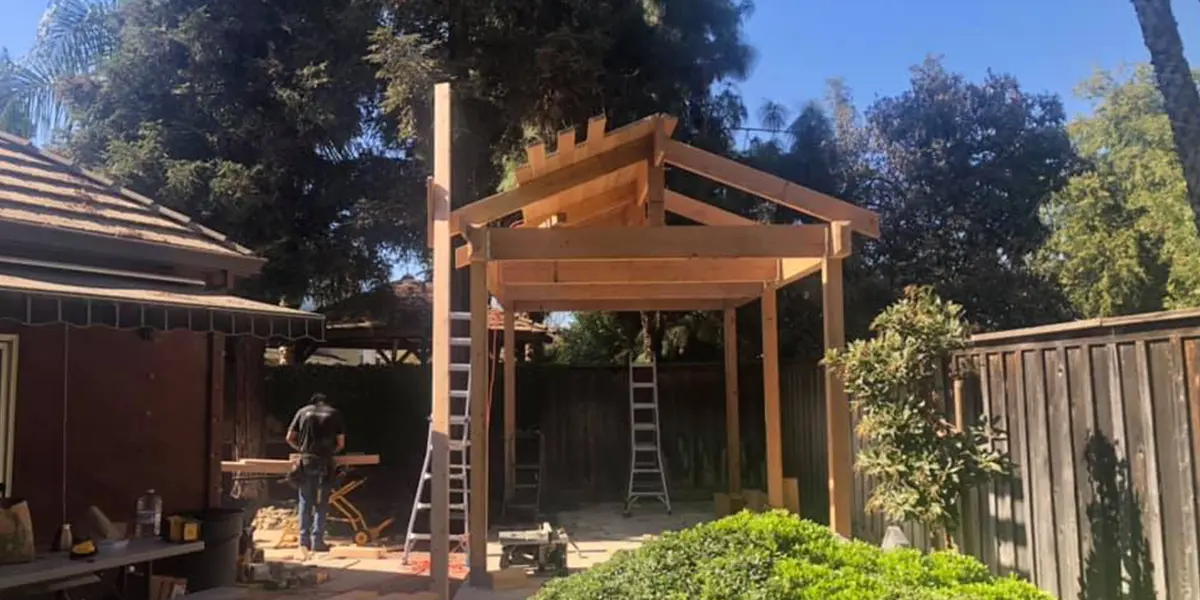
(52, 568)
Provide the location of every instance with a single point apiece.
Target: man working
(317, 434)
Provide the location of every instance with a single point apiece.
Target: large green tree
(262, 120)
(961, 171)
(1124, 240)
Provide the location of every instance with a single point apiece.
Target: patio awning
(43, 297)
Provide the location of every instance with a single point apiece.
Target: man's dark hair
(318, 398)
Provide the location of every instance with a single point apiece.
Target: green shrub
(777, 556)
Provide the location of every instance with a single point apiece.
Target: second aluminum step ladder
(459, 464)
(528, 471)
(647, 479)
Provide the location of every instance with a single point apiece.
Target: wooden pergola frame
(592, 236)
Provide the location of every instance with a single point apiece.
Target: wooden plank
(216, 417)
(505, 203)
(1040, 474)
(615, 243)
(795, 269)
(1144, 450)
(778, 190)
(581, 207)
(1178, 487)
(990, 495)
(837, 404)
(791, 494)
(1118, 436)
(697, 270)
(1191, 366)
(535, 154)
(630, 132)
(478, 518)
(1063, 468)
(1083, 425)
(440, 346)
(656, 179)
(595, 132)
(770, 342)
(702, 212)
(510, 403)
(634, 305)
(1024, 531)
(631, 291)
(733, 430)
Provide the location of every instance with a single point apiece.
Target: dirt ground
(597, 530)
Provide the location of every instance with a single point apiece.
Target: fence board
(1062, 466)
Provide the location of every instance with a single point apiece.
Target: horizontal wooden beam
(696, 270)
(642, 243)
(702, 212)
(505, 203)
(795, 269)
(781, 191)
(631, 291)
(673, 304)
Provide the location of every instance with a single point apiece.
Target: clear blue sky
(1050, 45)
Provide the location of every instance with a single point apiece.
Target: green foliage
(920, 462)
(1124, 240)
(261, 121)
(778, 556)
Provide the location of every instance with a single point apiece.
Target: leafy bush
(777, 556)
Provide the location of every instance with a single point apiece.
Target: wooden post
(216, 416)
(477, 526)
(510, 403)
(656, 178)
(960, 403)
(770, 341)
(837, 405)
(733, 431)
(439, 518)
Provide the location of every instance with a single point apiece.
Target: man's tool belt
(311, 465)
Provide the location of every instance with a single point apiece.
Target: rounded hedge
(778, 556)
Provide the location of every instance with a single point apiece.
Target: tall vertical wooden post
(439, 518)
(510, 403)
(770, 342)
(837, 405)
(477, 526)
(656, 177)
(733, 431)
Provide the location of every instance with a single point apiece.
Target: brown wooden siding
(128, 413)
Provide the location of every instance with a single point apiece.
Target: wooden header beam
(672, 304)
(632, 243)
(632, 291)
(780, 191)
(697, 270)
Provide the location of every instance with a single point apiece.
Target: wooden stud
(595, 132)
(510, 402)
(733, 429)
(702, 212)
(640, 129)
(771, 411)
(631, 291)
(656, 179)
(840, 240)
(837, 405)
(615, 243)
(627, 305)
(477, 527)
(216, 416)
(440, 347)
(536, 155)
(777, 190)
(502, 204)
(960, 403)
(697, 270)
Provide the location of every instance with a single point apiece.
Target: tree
(1178, 88)
(73, 37)
(961, 171)
(1123, 239)
(920, 462)
(261, 120)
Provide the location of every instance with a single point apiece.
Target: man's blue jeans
(314, 507)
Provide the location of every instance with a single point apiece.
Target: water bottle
(149, 515)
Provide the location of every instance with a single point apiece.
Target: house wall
(102, 415)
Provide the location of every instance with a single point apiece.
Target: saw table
(544, 549)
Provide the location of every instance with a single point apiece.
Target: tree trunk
(1174, 76)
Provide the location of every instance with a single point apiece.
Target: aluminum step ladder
(528, 470)
(647, 479)
(459, 464)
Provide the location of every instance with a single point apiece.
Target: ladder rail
(639, 464)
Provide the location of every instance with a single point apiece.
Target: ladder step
(648, 494)
(648, 470)
(644, 406)
(460, 341)
(428, 476)
(525, 486)
(459, 419)
(637, 365)
(642, 384)
(645, 447)
(637, 426)
(460, 315)
(460, 393)
(460, 368)
(461, 508)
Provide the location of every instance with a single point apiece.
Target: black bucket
(216, 566)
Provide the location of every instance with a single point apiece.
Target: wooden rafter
(702, 212)
(597, 141)
(781, 191)
(632, 291)
(669, 304)
(633, 243)
(696, 270)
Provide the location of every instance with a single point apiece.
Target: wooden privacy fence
(1102, 420)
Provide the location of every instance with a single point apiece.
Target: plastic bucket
(216, 566)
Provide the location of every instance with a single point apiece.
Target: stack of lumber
(283, 465)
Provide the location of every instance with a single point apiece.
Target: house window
(8, 407)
